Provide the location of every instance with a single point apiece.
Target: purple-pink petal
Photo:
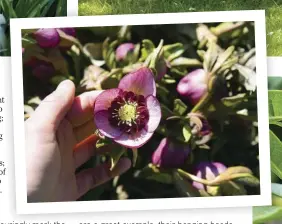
(208, 171)
(193, 86)
(104, 100)
(103, 125)
(47, 38)
(134, 140)
(123, 50)
(155, 113)
(140, 82)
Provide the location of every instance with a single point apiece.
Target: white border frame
(274, 65)
(258, 16)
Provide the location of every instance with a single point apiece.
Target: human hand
(59, 139)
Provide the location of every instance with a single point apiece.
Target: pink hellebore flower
(170, 154)
(130, 113)
(50, 38)
(123, 50)
(208, 171)
(193, 86)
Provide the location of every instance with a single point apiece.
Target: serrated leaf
(276, 154)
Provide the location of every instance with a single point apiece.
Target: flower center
(127, 112)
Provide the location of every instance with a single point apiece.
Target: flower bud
(161, 68)
(47, 38)
(123, 50)
(200, 127)
(170, 154)
(43, 70)
(208, 171)
(193, 86)
(69, 31)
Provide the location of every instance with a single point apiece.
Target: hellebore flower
(193, 86)
(208, 171)
(124, 50)
(47, 38)
(50, 38)
(170, 154)
(43, 70)
(130, 113)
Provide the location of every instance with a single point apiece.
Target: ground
(273, 12)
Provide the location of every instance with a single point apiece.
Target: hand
(59, 139)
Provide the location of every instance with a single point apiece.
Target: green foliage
(27, 9)
(273, 213)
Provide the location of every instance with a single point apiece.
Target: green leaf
(249, 77)
(116, 155)
(275, 83)
(276, 189)
(147, 48)
(186, 132)
(210, 57)
(266, 214)
(276, 154)
(179, 107)
(173, 51)
(222, 58)
(275, 103)
(185, 62)
(184, 187)
(152, 173)
(233, 101)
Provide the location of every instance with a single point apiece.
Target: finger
(84, 131)
(83, 152)
(91, 178)
(82, 108)
(55, 106)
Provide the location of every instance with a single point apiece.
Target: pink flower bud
(47, 38)
(208, 171)
(193, 86)
(161, 69)
(170, 154)
(123, 50)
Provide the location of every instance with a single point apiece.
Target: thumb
(55, 106)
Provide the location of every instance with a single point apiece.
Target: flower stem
(192, 177)
(201, 103)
